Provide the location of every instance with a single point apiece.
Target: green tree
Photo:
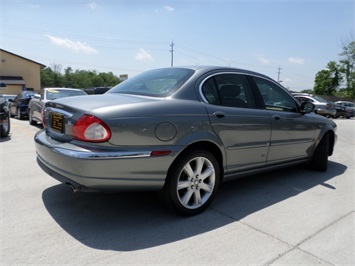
(52, 77)
(47, 77)
(309, 91)
(348, 67)
(328, 80)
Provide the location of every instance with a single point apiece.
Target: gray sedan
(181, 131)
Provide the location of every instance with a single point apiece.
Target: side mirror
(2, 85)
(307, 107)
(37, 96)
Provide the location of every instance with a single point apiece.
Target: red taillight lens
(92, 129)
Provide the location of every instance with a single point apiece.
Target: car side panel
(245, 134)
(293, 135)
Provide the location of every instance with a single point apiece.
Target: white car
(37, 103)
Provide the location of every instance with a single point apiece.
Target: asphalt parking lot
(291, 216)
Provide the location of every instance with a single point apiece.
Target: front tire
(320, 155)
(192, 182)
(30, 119)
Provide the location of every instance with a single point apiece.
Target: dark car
(181, 131)
(4, 118)
(19, 105)
(343, 111)
(346, 104)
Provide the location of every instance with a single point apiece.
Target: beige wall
(12, 65)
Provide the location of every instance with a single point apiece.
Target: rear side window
(230, 90)
(275, 98)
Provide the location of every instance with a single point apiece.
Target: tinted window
(228, 90)
(158, 83)
(304, 99)
(275, 98)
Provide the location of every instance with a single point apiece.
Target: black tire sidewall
(170, 188)
(320, 156)
(4, 133)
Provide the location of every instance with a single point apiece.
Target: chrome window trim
(227, 72)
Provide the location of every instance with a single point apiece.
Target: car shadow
(5, 139)
(137, 220)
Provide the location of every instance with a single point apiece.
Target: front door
(293, 133)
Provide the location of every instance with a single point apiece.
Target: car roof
(206, 68)
(55, 88)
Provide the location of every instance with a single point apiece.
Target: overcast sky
(131, 36)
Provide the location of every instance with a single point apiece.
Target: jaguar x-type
(181, 131)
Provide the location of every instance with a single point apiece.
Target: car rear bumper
(102, 169)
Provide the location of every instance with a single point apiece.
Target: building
(19, 73)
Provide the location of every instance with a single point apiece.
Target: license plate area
(57, 122)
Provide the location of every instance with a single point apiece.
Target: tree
(52, 77)
(308, 91)
(328, 80)
(348, 66)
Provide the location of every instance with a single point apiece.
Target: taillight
(328, 106)
(92, 129)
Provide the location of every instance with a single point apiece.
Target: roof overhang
(12, 80)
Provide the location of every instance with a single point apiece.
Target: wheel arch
(211, 147)
(332, 139)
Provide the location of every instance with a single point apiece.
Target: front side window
(230, 90)
(275, 98)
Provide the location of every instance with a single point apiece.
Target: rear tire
(192, 182)
(320, 155)
(5, 128)
(30, 120)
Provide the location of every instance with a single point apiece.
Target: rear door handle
(276, 117)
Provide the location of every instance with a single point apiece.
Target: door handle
(219, 114)
(276, 117)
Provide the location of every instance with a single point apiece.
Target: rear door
(244, 129)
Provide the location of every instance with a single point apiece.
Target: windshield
(349, 104)
(319, 99)
(156, 83)
(53, 94)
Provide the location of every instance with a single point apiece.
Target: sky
(287, 40)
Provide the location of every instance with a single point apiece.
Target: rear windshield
(320, 99)
(156, 83)
(53, 94)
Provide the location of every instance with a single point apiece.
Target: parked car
(343, 111)
(346, 104)
(322, 107)
(19, 105)
(37, 103)
(349, 105)
(9, 97)
(4, 117)
(181, 131)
